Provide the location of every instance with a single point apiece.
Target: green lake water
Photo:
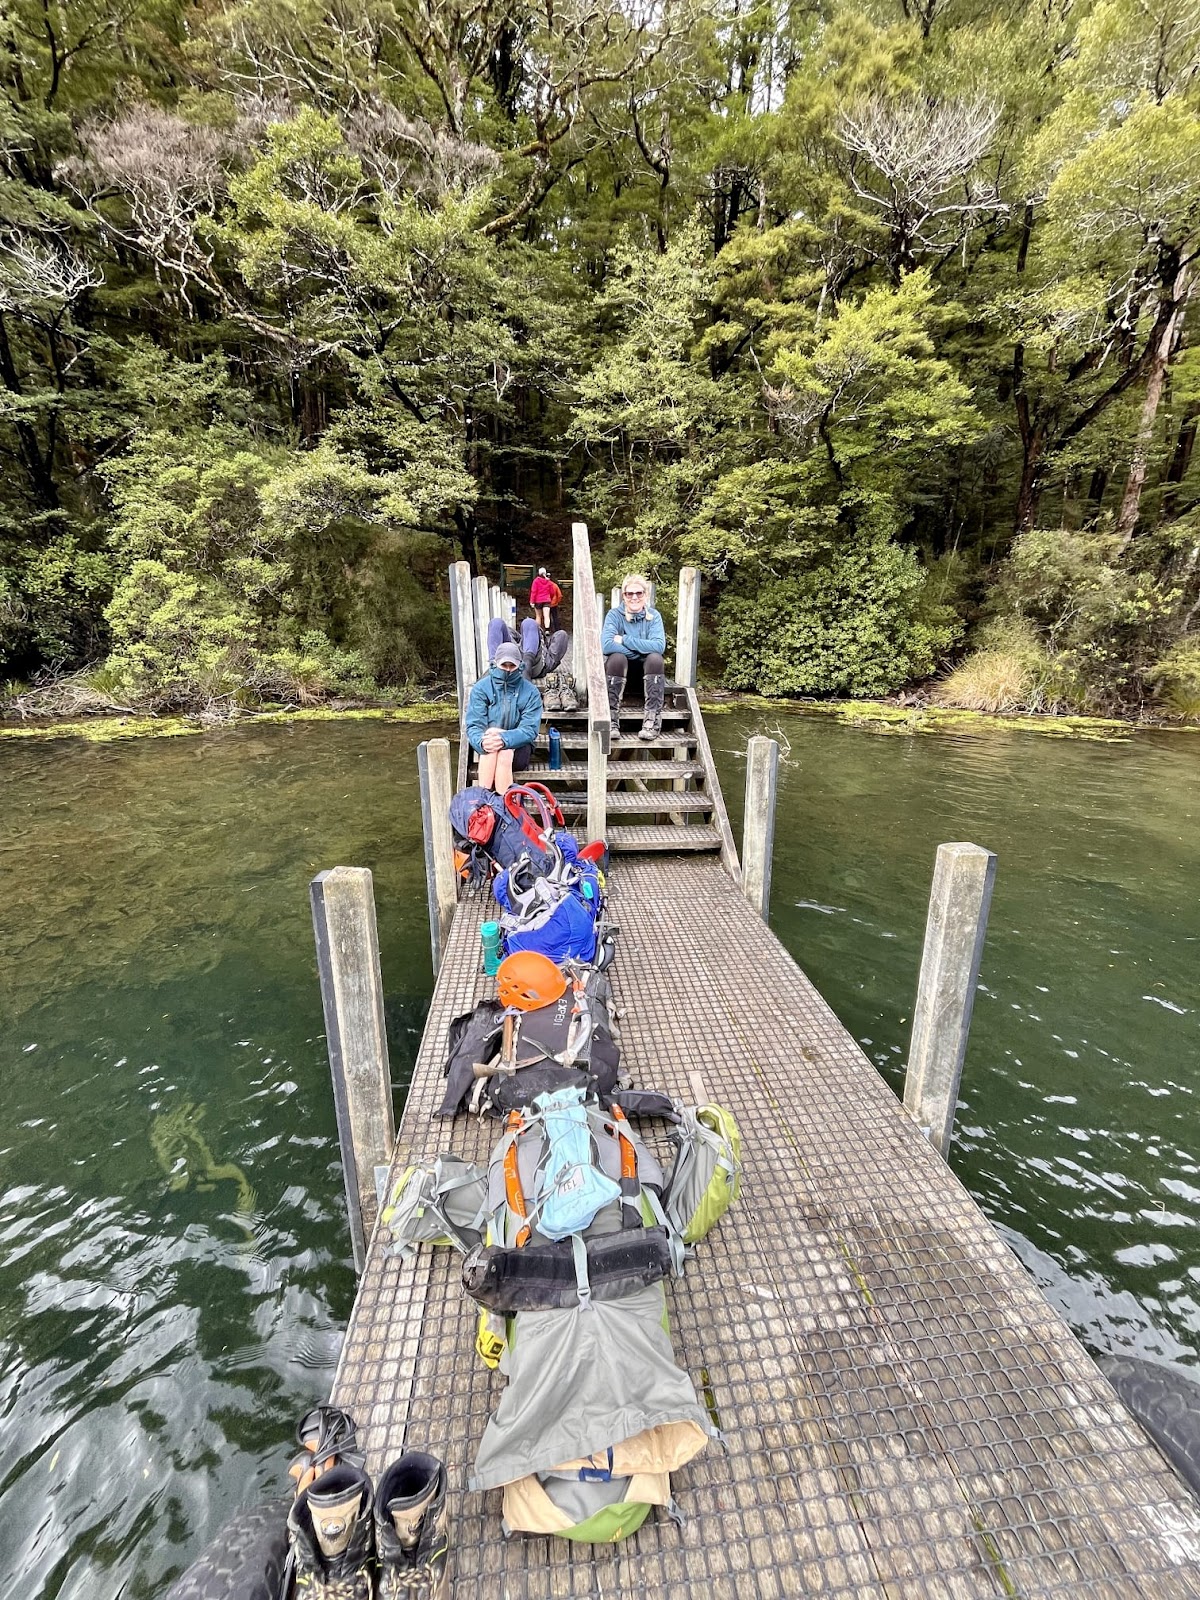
(174, 1261)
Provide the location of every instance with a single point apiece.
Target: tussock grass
(990, 680)
(1009, 670)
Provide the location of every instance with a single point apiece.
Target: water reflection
(1077, 1129)
(174, 1271)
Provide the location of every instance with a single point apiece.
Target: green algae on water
(183, 1153)
(880, 716)
(107, 730)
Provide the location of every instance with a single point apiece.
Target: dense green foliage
(883, 315)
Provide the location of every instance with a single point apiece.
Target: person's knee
(616, 665)
(529, 635)
(655, 664)
(497, 634)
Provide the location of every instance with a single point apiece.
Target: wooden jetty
(903, 1413)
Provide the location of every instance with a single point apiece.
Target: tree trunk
(1096, 490)
(1032, 437)
(1029, 496)
(1181, 459)
(1156, 378)
(38, 463)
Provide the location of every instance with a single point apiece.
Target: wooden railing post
(495, 609)
(687, 631)
(441, 883)
(462, 616)
(481, 591)
(597, 695)
(758, 825)
(954, 934)
(343, 911)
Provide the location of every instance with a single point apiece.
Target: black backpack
(569, 1042)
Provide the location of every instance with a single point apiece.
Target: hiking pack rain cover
(582, 1384)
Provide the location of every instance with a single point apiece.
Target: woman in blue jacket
(633, 641)
(504, 713)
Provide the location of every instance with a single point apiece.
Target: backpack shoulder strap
(631, 1188)
(514, 1195)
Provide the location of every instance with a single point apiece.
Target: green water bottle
(489, 934)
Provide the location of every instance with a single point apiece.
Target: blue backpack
(489, 829)
(553, 911)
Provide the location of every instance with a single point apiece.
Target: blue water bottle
(489, 934)
(554, 739)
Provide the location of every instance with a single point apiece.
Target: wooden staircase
(662, 794)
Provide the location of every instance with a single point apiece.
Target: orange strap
(512, 1177)
(628, 1153)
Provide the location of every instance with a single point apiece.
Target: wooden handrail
(588, 631)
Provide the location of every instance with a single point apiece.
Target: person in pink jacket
(544, 596)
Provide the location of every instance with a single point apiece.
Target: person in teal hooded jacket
(504, 713)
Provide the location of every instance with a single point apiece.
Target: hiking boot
(616, 688)
(651, 726)
(566, 692)
(411, 1529)
(551, 694)
(331, 1534)
(328, 1436)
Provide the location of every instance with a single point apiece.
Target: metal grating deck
(904, 1413)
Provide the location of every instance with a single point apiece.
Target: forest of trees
(883, 314)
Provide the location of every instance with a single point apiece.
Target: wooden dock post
(687, 631)
(758, 825)
(343, 912)
(954, 934)
(441, 884)
(462, 616)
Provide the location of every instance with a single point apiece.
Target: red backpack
(549, 813)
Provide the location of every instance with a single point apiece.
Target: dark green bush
(857, 625)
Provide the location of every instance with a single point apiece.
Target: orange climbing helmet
(528, 980)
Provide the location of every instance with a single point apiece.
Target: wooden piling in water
(441, 884)
(954, 935)
(758, 826)
(343, 912)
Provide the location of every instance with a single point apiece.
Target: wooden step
(618, 771)
(633, 800)
(631, 713)
(684, 739)
(626, 840)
